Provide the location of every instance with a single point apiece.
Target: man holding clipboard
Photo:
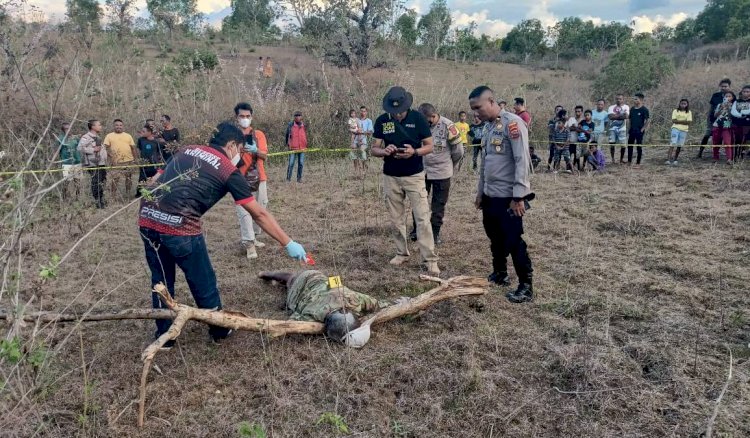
(402, 137)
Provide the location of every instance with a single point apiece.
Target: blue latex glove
(252, 148)
(296, 251)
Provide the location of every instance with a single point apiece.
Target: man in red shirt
(193, 181)
(519, 107)
(253, 156)
(296, 141)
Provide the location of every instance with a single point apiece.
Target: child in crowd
(723, 128)
(353, 126)
(561, 138)
(572, 126)
(585, 130)
(681, 120)
(595, 158)
(535, 160)
(463, 127)
(357, 154)
(741, 115)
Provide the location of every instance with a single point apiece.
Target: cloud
(542, 13)
(208, 6)
(494, 28)
(644, 23)
(596, 20)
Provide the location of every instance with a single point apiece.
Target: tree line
(346, 32)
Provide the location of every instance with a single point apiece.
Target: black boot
(413, 235)
(436, 236)
(499, 278)
(524, 293)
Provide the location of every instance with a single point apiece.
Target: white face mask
(359, 337)
(245, 123)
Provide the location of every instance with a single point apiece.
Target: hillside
(640, 274)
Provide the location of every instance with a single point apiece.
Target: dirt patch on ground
(641, 282)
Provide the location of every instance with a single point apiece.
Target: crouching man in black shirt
(193, 181)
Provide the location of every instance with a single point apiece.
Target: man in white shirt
(618, 130)
(600, 116)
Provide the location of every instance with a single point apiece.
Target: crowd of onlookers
(576, 139)
(117, 156)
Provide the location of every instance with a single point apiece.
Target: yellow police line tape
(138, 166)
(312, 150)
(624, 145)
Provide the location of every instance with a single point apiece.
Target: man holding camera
(402, 137)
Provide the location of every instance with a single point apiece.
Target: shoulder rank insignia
(513, 131)
(452, 130)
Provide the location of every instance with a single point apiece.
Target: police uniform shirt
(411, 130)
(448, 150)
(195, 179)
(506, 162)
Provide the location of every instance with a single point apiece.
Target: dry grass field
(641, 282)
(641, 278)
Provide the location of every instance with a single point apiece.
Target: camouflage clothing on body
(448, 150)
(309, 298)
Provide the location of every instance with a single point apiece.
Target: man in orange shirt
(253, 157)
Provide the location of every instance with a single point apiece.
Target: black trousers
(477, 150)
(98, 179)
(635, 137)
(505, 231)
(439, 188)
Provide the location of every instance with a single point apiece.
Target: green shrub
(637, 66)
(189, 60)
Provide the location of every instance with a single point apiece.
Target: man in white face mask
(252, 167)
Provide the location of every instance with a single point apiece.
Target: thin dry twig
(712, 420)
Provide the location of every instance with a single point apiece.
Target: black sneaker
(524, 294)
(499, 278)
(220, 339)
(413, 236)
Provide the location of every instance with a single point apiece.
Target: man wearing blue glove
(192, 182)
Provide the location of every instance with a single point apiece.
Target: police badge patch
(513, 131)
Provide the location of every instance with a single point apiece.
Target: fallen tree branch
(452, 288)
(448, 289)
(107, 316)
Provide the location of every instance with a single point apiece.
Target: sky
(497, 20)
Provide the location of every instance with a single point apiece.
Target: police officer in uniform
(504, 190)
(439, 166)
